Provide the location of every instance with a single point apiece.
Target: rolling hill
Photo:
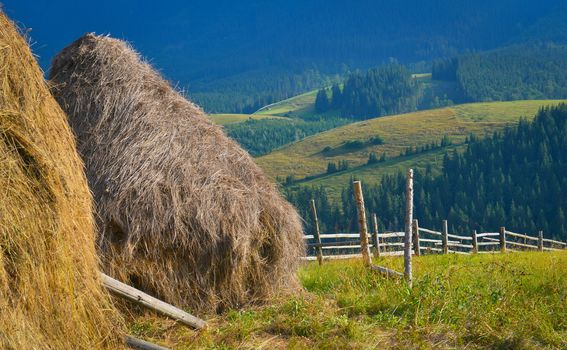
(309, 157)
(227, 119)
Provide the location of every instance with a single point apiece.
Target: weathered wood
(445, 237)
(531, 246)
(409, 222)
(332, 244)
(391, 235)
(142, 344)
(458, 237)
(139, 297)
(480, 244)
(474, 242)
(427, 240)
(339, 235)
(432, 249)
(316, 233)
(416, 237)
(365, 250)
(502, 238)
(519, 235)
(375, 238)
(554, 242)
(540, 241)
(460, 245)
(487, 234)
(430, 231)
(386, 271)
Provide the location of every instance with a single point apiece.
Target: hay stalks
(184, 213)
(50, 294)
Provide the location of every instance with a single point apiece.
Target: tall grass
(510, 301)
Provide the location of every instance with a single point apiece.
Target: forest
(512, 73)
(389, 89)
(515, 179)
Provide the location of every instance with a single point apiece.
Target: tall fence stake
(362, 223)
(409, 222)
(540, 241)
(375, 239)
(316, 233)
(445, 237)
(503, 239)
(416, 247)
(474, 242)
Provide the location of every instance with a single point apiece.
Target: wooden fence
(414, 240)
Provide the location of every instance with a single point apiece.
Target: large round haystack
(184, 213)
(50, 292)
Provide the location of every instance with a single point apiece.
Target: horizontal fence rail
(342, 245)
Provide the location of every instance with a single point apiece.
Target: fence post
(503, 239)
(365, 250)
(316, 233)
(474, 242)
(409, 221)
(375, 236)
(416, 247)
(540, 241)
(445, 237)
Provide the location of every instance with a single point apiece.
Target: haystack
(50, 293)
(183, 212)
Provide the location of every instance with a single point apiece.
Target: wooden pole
(139, 297)
(140, 344)
(445, 237)
(409, 222)
(365, 250)
(316, 233)
(540, 241)
(503, 239)
(375, 238)
(416, 247)
(474, 242)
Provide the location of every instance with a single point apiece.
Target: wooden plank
(458, 237)
(487, 234)
(522, 245)
(408, 229)
(308, 237)
(427, 240)
(386, 271)
(316, 233)
(392, 235)
(554, 242)
(430, 231)
(339, 235)
(352, 244)
(540, 241)
(141, 344)
(480, 244)
(375, 237)
(521, 236)
(432, 249)
(139, 297)
(458, 252)
(469, 246)
(365, 250)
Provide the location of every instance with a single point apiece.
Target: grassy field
(489, 301)
(307, 157)
(297, 105)
(224, 119)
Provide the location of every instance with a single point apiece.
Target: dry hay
(50, 293)
(183, 212)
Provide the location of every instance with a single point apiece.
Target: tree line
(388, 89)
(515, 178)
(513, 73)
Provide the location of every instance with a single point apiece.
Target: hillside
(485, 301)
(228, 119)
(310, 156)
